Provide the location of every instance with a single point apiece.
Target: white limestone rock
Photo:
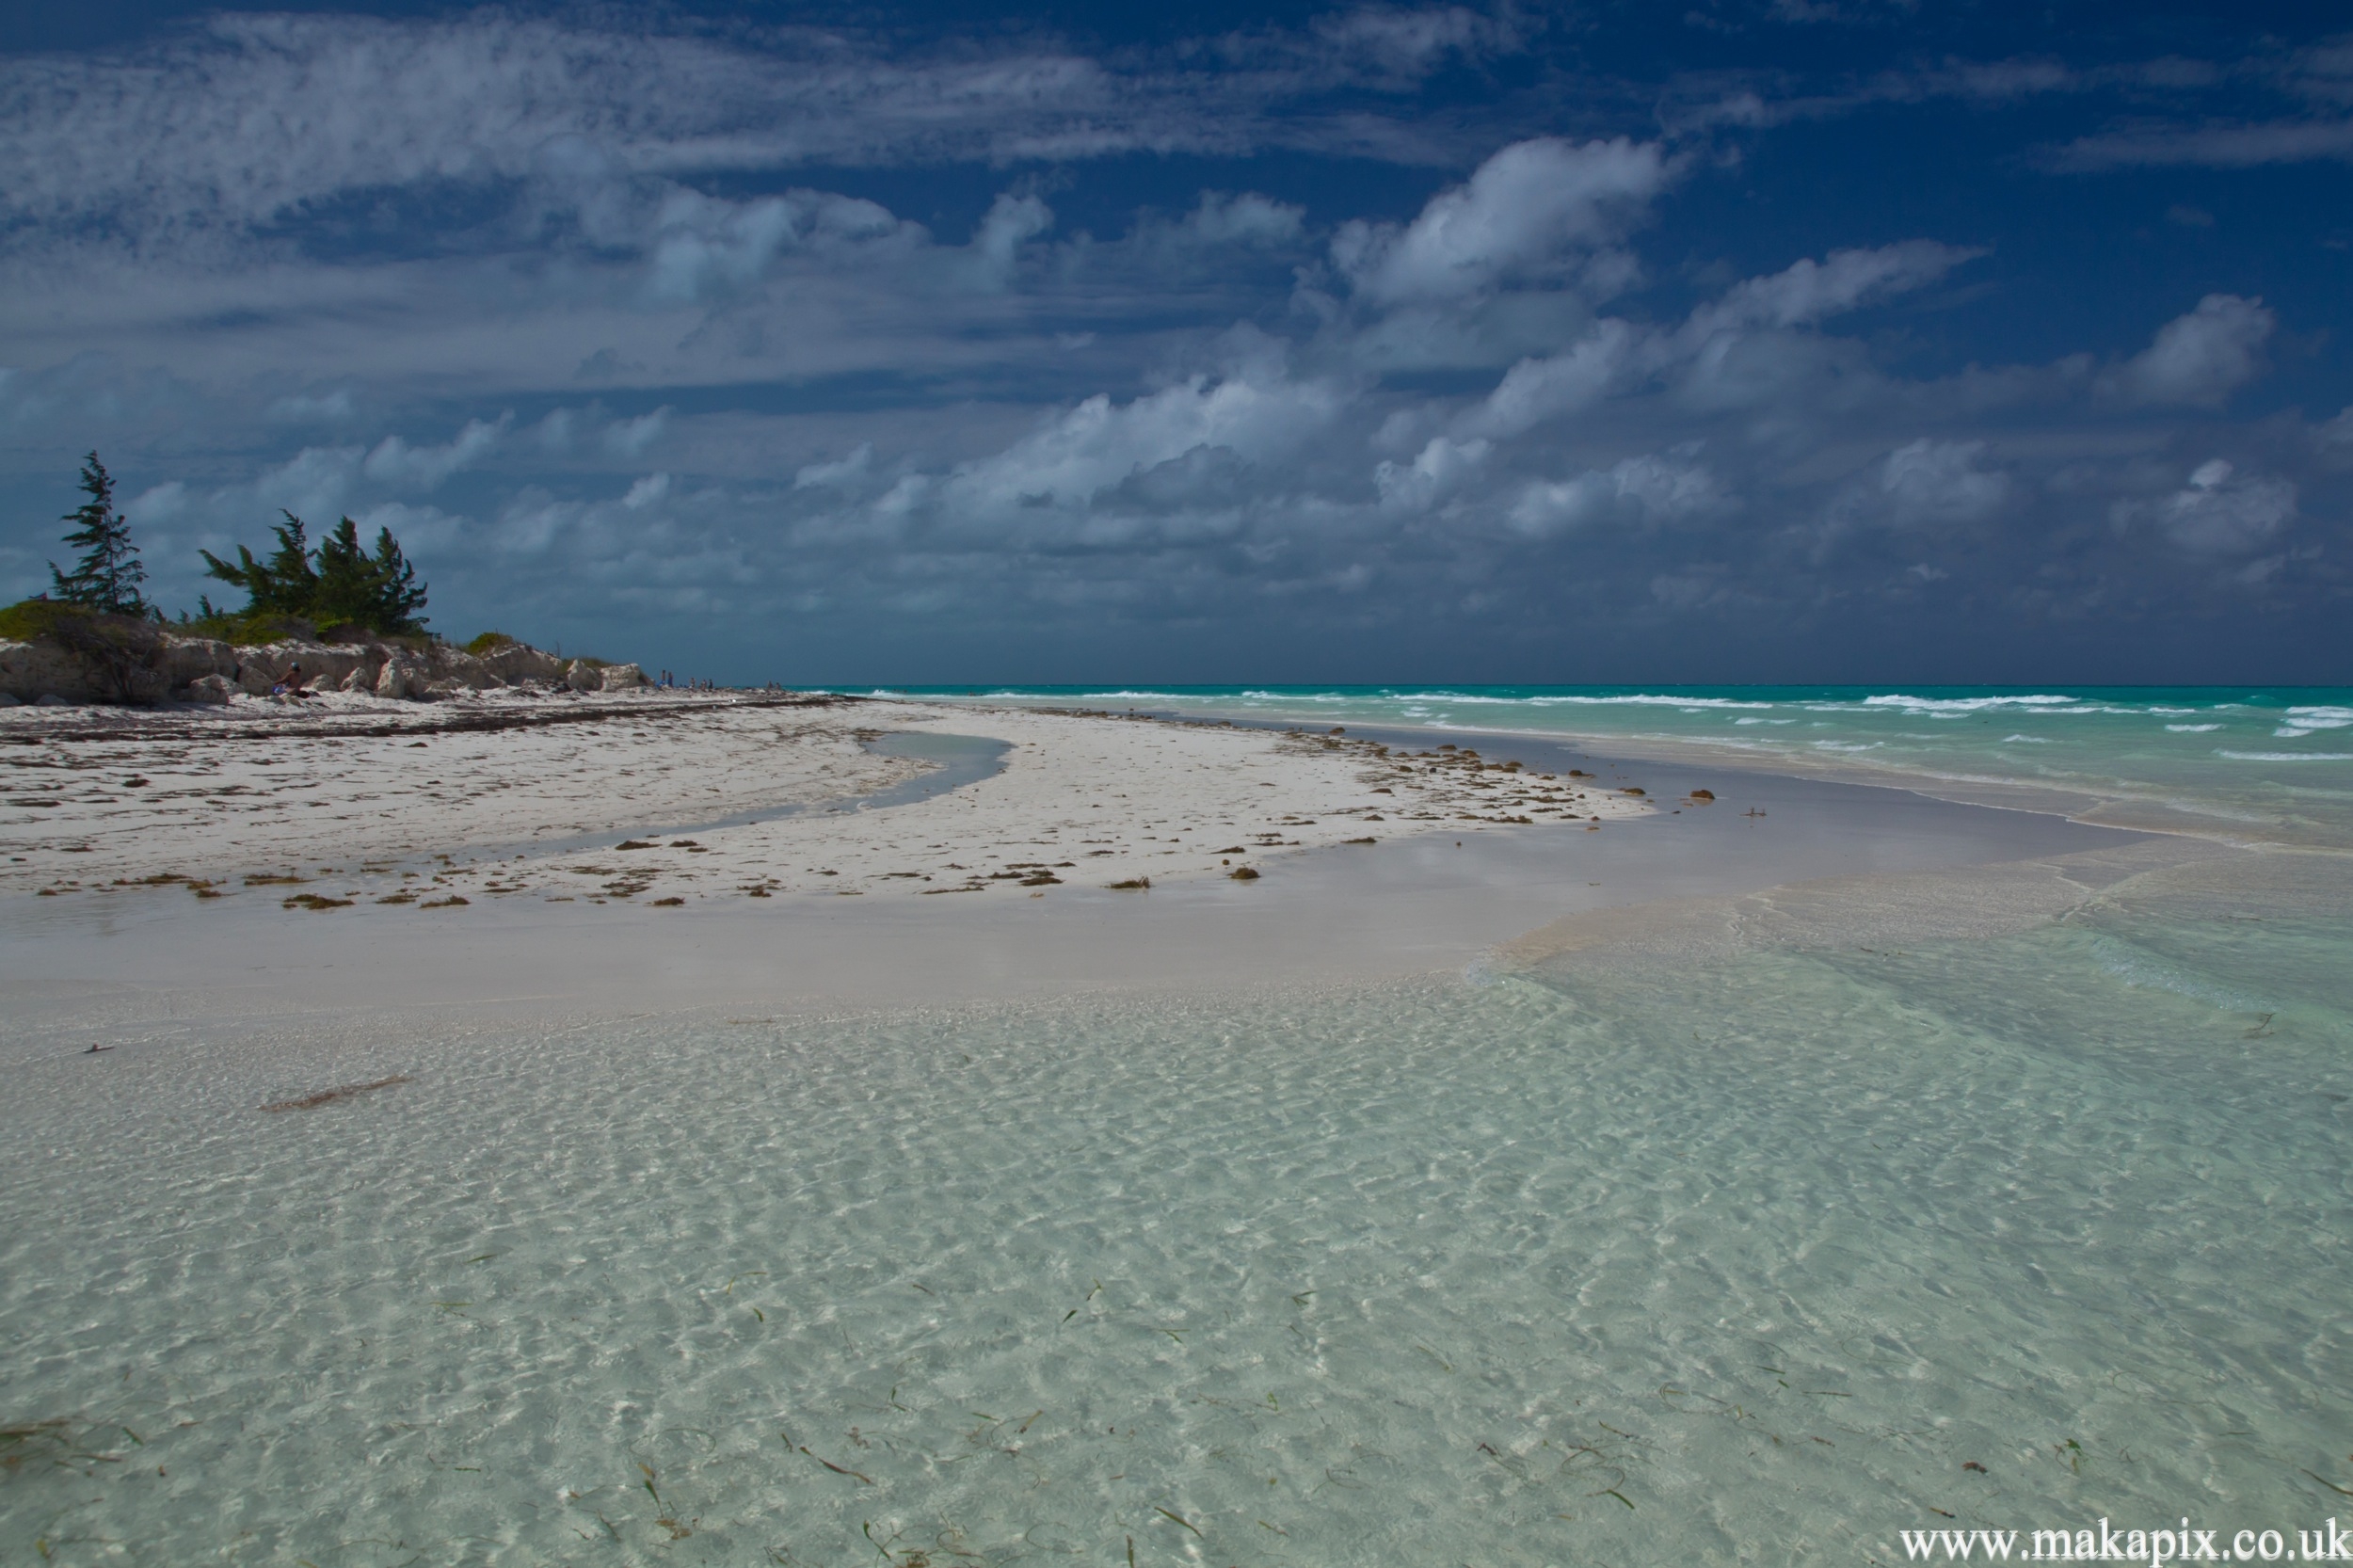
(623, 678)
(403, 676)
(182, 661)
(32, 670)
(520, 662)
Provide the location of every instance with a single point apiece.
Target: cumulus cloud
(409, 225)
(1932, 482)
(704, 246)
(1658, 487)
(316, 480)
(2219, 512)
(1248, 219)
(1807, 290)
(996, 250)
(1537, 389)
(840, 471)
(395, 462)
(629, 437)
(1528, 213)
(1442, 467)
(1256, 411)
(2199, 358)
(160, 503)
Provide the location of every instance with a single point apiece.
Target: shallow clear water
(1763, 1248)
(1568, 1267)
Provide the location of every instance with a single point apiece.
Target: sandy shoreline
(1461, 863)
(352, 799)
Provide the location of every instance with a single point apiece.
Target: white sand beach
(351, 799)
(595, 856)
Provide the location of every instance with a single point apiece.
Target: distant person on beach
(289, 684)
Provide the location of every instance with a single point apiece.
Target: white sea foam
(1941, 707)
(2192, 728)
(2287, 756)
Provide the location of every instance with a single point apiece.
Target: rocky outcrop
(147, 664)
(30, 671)
(517, 663)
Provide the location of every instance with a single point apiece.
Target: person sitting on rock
(289, 684)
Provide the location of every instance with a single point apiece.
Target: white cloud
(314, 483)
(2218, 512)
(1255, 411)
(842, 471)
(1529, 212)
(1660, 487)
(2278, 141)
(336, 408)
(2199, 358)
(158, 504)
(1536, 390)
(1248, 221)
(1010, 222)
(1403, 45)
(629, 437)
(1441, 468)
(649, 491)
(395, 462)
(704, 246)
(1807, 290)
(245, 118)
(1929, 481)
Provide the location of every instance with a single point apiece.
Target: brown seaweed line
(329, 1096)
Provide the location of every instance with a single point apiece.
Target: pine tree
(285, 584)
(346, 588)
(338, 583)
(108, 576)
(398, 594)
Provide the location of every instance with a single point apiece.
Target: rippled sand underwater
(1749, 1260)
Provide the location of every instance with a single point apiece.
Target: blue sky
(1820, 340)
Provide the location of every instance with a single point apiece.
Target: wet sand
(142, 968)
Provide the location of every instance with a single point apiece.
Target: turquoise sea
(1911, 1205)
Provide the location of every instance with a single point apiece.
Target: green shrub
(490, 642)
(28, 618)
(246, 630)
